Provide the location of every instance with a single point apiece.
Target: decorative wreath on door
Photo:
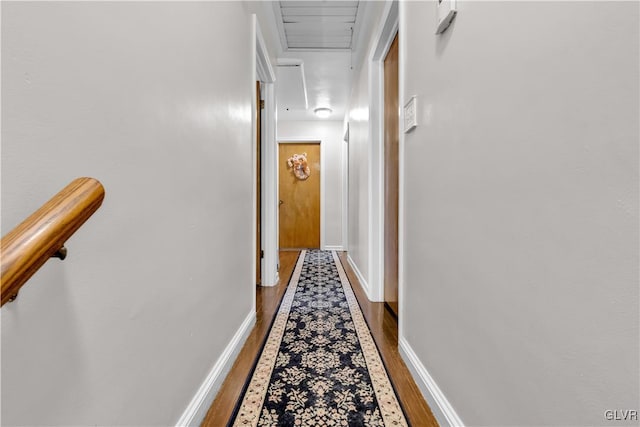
(300, 168)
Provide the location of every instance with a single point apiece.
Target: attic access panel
(318, 24)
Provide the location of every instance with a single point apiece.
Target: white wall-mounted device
(410, 115)
(446, 12)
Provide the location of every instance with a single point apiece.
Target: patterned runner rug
(319, 365)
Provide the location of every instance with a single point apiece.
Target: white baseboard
(360, 277)
(197, 409)
(273, 283)
(440, 406)
(333, 248)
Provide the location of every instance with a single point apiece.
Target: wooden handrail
(28, 246)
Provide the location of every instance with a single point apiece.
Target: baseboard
(440, 406)
(333, 248)
(360, 277)
(197, 409)
(275, 281)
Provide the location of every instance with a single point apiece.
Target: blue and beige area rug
(319, 365)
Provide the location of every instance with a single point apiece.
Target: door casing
(386, 33)
(391, 176)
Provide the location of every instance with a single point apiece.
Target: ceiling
(314, 67)
(322, 80)
(317, 24)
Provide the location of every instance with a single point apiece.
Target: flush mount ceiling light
(323, 113)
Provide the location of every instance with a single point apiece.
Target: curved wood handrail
(28, 246)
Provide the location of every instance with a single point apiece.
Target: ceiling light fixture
(323, 113)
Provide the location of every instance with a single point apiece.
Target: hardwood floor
(267, 302)
(383, 326)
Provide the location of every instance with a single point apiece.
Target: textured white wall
(331, 134)
(521, 286)
(154, 100)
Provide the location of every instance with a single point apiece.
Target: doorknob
(281, 202)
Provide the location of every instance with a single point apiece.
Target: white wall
(521, 208)
(359, 179)
(154, 100)
(333, 151)
(361, 150)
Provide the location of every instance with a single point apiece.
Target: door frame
(322, 178)
(387, 31)
(388, 171)
(258, 128)
(265, 73)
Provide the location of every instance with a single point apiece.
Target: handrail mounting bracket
(60, 253)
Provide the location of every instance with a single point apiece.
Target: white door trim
(269, 230)
(401, 177)
(345, 196)
(264, 70)
(386, 33)
(269, 188)
(322, 178)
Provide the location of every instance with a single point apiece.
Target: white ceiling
(317, 24)
(320, 35)
(327, 77)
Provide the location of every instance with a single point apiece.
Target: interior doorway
(259, 251)
(299, 195)
(266, 177)
(391, 176)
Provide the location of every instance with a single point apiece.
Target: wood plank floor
(384, 329)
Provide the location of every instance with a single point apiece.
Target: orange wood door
(258, 189)
(391, 181)
(299, 211)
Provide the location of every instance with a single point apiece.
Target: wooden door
(259, 106)
(299, 211)
(391, 181)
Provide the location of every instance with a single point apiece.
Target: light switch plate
(446, 12)
(410, 115)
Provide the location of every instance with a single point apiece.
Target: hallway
(517, 196)
(381, 322)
